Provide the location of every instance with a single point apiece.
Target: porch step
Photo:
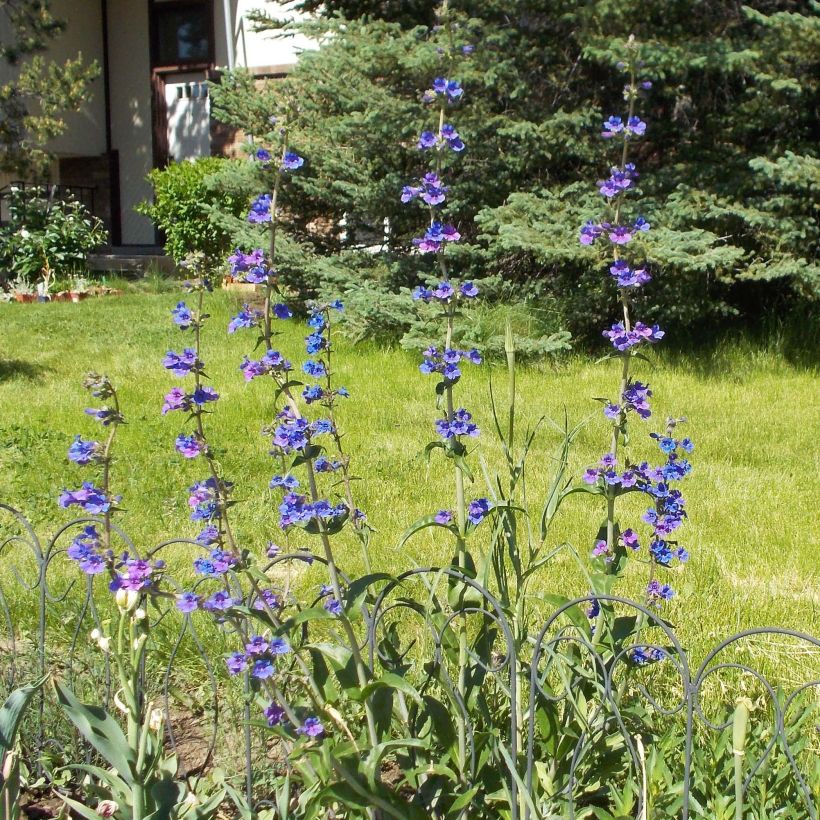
(137, 260)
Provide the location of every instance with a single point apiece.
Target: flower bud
(95, 634)
(107, 808)
(155, 720)
(140, 614)
(740, 725)
(126, 599)
(104, 644)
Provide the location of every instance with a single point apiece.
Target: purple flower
(274, 714)
(267, 598)
(220, 601)
(176, 399)
(636, 127)
(286, 482)
(279, 646)
(443, 517)
(242, 262)
(263, 669)
(89, 498)
(260, 210)
(182, 316)
(203, 394)
(459, 425)
(262, 155)
(189, 446)
(291, 161)
(435, 237)
(469, 290)
(642, 655)
(134, 575)
(208, 536)
(333, 606)
(188, 602)
(630, 539)
(84, 452)
(105, 415)
(311, 727)
(237, 663)
(442, 86)
(84, 549)
(600, 549)
(181, 364)
(620, 235)
(623, 339)
(657, 593)
(589, 233)
(281, 311)
(246, 318)
(257, 645)
(613, 126)
(478, 510)
(627, 277)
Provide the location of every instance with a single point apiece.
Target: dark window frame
(155, 8)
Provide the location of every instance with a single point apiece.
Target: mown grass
(754, 416)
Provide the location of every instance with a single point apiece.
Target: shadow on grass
(11, 369)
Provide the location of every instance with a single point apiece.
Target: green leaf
(166, 793)
(11, 713)
(79, 808)
(391, 681)
(101, 731)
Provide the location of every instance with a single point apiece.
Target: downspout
(230, 32)
(111, 155)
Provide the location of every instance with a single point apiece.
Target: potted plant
(79, 289)
(22, 290)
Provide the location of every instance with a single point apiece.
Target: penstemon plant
(140, 781)
(616, 474)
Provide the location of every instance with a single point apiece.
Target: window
(182, 32)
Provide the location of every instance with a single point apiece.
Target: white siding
(257, 51)
(131, 129)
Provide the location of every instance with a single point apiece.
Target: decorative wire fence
(649, 721)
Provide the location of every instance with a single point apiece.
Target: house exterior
(150, 104)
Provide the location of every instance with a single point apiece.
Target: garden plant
(472, 688)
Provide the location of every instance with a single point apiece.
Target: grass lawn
(755, 419)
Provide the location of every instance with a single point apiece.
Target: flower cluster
(615, 126)
(460, 423)
(447, 137)
(273, 362)
(250, 267)
(448, 90)
(444, 292)
(619, 180)
(435, 237)
(178, 399)
(260, 210)
(617, 234)
(446, 362)
(259, 657)
(623, 338)
(297, 510)
(635, 398)
(431, 191)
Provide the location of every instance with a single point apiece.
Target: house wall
(131, 124)
(85, 134)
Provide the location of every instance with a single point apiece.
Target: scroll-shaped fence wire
(585, 712)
